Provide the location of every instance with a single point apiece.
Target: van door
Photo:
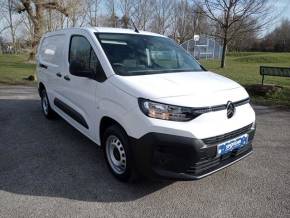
(50, 64)
(78, 100)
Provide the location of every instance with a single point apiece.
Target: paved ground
(47, 168)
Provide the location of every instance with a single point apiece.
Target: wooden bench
(274, 71)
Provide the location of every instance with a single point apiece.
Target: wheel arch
(40, 88)
(106, 122)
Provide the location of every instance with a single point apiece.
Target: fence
(203, 47)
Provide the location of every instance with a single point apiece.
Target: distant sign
(196, 38)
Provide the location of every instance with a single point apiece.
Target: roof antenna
(135, 28)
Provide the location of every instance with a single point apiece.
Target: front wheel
(117, 153)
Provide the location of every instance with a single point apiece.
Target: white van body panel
(51, 50)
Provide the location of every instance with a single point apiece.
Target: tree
(142, 13)
(277, 40)
(2, 43)
(76, 12)
(244, 42)
(113, 19)
(11, 22)
(183, 20)
(234, 18)
(92, 11)
(126, 7)
(187, 21)
(162, 13)
(35, 10)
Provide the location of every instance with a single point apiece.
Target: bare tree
(278, 40)
(92, 11)
(10, 21)
(35, 10)
(183, 20)
(236, 17)
(235, 44)
(3, 24)
(142, 13)
(126, 7)
(188, 20)
(161, 16)
(111, 7)
(28, 30)
(76, 12)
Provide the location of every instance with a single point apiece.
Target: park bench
(274, 71)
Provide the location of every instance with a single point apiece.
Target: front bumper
(176, 157)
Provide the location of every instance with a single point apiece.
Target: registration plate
(233, 144)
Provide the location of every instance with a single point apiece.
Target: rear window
(52, 49)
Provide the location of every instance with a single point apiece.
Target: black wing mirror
(77, 69)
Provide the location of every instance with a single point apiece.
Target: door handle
(66, 77)
(58, 74)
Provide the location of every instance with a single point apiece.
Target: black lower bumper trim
(176, 157)
(189, 176)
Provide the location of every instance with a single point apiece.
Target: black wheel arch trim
(40, 88)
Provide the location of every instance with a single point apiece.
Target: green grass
(244, 68)
(13, 68)
(241, 54)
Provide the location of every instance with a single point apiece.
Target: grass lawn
(13, 68)
(241, 67)
(244, 68)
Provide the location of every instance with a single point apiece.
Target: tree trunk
(38, 29)
(125, 20)
(12, 29)
(223, 60)
(225, 43)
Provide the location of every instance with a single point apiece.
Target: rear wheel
(117, 152)
(46, 109)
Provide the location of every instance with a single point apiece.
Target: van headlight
(166, 112)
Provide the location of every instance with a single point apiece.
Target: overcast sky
(284, 6)
(282, 11)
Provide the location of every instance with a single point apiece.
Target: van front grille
(227, 136)
(209, 165)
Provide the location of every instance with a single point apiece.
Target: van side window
(51, 49)
(81, 51)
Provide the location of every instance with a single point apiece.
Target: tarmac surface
(49, 169)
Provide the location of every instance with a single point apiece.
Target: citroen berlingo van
(149, 104)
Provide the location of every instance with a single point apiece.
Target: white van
(151, 106)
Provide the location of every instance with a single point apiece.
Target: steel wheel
(116, 154)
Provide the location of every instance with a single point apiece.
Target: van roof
(105, 30)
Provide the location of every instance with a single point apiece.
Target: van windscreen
(137, 54)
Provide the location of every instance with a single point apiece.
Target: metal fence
(203, 47)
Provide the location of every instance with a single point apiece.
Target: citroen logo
(230, 109)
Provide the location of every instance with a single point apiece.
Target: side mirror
(77, 69)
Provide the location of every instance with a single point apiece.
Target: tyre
(117, 152)
(45, 106)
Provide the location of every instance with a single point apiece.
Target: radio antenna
(135, 28)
